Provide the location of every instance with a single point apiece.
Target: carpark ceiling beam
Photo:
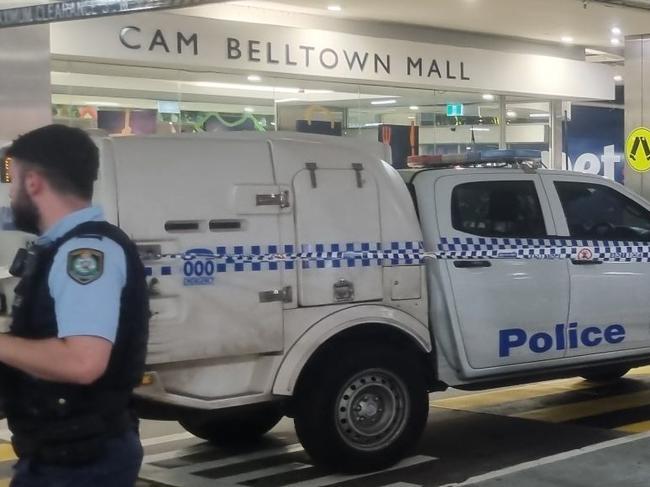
(85, 9)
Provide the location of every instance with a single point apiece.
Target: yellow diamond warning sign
(637, 149)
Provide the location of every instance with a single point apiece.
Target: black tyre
(362, 408)
(234, 430)
(605, 375)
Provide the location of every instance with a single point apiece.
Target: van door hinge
(358, 168)
(282, 295)
(274, 199)
(311, 167)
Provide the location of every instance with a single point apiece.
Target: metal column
(556, 134)
(503, 143)
(637, 82)
(25, 101)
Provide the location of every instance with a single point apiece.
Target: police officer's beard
(25, 213)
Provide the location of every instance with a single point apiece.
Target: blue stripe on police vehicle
(576, 337)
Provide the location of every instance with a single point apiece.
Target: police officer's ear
(33, 181)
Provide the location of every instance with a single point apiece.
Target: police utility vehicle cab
(303, 276)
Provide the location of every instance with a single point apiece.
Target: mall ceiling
(587, 22)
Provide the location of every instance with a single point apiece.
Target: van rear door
(180, 195)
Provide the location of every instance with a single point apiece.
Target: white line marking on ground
(401, 484)
(184, 452)
(336, 478)
(157, 440)
(551, 459)
(233, 460)
(264, 472)
(167, 476)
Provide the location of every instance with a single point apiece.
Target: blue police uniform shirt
(91, 309)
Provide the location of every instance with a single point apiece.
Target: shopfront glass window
(528, 124)
(133, 100)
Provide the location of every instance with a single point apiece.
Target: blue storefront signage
(594, 141)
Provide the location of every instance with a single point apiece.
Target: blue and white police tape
(257, 258)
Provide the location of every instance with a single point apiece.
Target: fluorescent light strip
(271, 89)
(539, 115)
(383, 102)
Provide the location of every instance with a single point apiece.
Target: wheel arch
(357, 324)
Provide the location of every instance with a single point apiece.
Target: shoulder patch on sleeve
(85, 265)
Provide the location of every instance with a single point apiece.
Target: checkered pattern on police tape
(240, 258)
(555, 248)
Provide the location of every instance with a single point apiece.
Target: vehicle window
(594, 211)
(498, 209)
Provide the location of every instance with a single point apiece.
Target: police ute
(303, 276)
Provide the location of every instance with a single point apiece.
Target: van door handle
(470, 264)
(586, 262)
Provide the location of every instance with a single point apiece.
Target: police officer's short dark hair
(66, 156)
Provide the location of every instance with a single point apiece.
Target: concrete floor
(558, 433)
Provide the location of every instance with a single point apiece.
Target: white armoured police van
(303, 276)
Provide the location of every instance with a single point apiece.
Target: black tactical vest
(62, 423)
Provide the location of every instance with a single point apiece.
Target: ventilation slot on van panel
(182, 226)
(224, 225)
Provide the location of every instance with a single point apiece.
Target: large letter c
(124, 32)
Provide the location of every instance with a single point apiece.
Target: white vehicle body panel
(276, 227)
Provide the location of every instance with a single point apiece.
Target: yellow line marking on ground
(635, 427)
(639, 371)
(7, 453)
(568, 412)
(471, 402)
(476, 401)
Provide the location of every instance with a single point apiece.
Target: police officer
(78, 338)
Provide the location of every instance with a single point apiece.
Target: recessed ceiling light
(249, 109)
(383, 102)
(254, 77)
(567, 39)
(102, 103)
(411, 118)
(511, 114)
(618, 77)
(616, 31)
(616, 41)
(539, 115)
(413, 107)
(488, 97)
(334, 8)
